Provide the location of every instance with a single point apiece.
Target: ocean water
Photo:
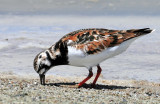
(22, 37)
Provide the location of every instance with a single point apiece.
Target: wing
(94, 40)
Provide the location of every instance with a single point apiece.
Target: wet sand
(27, 89)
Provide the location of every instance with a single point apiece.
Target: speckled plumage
(86, 48)
(96, 40)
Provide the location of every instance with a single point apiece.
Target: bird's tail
(136, 33)
(144, 31)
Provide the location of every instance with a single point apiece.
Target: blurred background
(30, 26)
(81, 7)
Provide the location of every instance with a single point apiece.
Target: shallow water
(22, 37)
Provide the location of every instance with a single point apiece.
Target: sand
(27, 89)
(27, 28)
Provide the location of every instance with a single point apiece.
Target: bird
(86, 48)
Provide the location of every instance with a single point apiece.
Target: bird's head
(47, 59)
(42, 64)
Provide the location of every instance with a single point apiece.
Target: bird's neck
(58, 54)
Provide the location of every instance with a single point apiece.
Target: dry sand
(22, 89)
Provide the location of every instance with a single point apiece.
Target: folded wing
(93, 41)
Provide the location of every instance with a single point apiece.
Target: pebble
(29, 90)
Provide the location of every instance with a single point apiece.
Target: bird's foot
(93, 85)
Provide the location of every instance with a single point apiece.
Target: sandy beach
(28, 27)
(17, 89)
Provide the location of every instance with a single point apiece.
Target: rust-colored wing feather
(95, 40)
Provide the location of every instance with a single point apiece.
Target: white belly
(78, 57)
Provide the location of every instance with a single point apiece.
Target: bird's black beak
(42, 79)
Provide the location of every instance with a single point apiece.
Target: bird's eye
(40, 56)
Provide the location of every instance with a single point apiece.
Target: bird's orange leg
(98, 74)
(86, 79)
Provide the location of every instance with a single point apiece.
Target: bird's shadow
(97, 86)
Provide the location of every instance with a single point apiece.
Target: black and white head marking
(42, 63)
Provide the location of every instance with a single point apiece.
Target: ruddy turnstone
(86, 48)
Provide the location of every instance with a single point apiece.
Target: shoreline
(23, 89)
